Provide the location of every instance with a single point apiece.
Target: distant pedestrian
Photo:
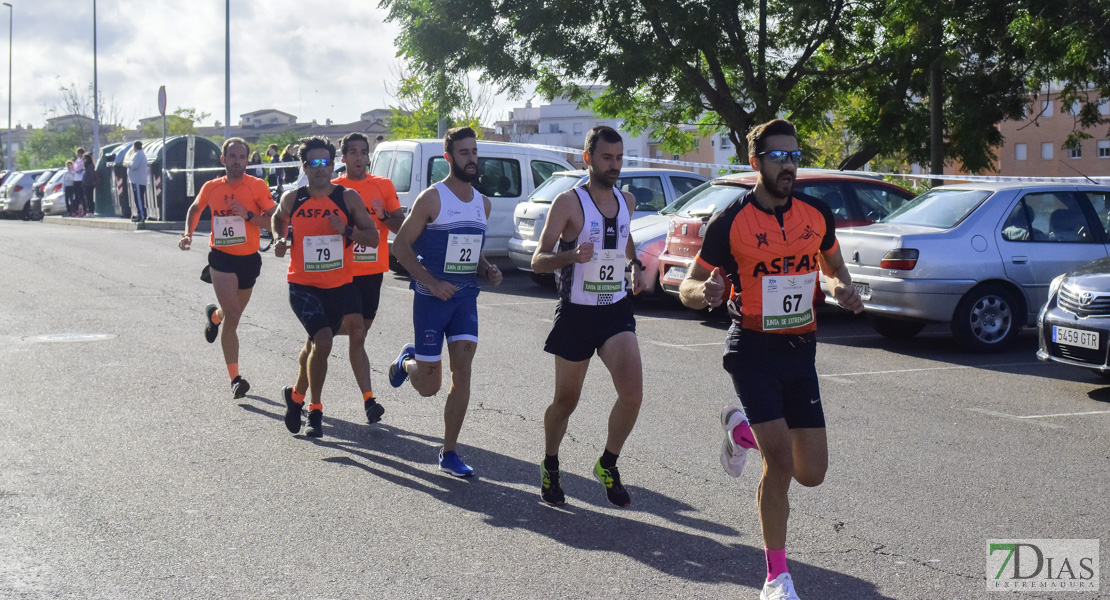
(137, 173)
(89, 183)
(78, 183)
(67, 185)
(290, 155)
(273, 157)
(256, 159)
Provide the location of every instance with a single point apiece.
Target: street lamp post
(8, 154)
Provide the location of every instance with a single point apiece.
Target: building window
(1104, 148)
(1046, 151)
(1075, 152)
(1046, 108)
(1075, 107)
(724, 143)
(1020, 152)
(674, 157)
(577, 129)
(697, 143)
(553, 128)
(1104, 107)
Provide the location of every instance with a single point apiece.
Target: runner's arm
(489, 270)
(638, 283)
(365, 232)
(280, 222)
(839, 280)
(701, 287)
(545, 259)
(424, 210)
(192, 218)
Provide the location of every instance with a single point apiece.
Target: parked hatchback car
(853, 200)
(654, 190)
(978, 256)
(16, 193)
(54, 196)
(1074, 324)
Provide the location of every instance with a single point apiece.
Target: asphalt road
(129, 472)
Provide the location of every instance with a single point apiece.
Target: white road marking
(949, 368)
(516, 303)
(1075, 414)
(1014, 417)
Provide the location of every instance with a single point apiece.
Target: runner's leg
(621, 355)
(458, 398)
(776, 448)
(360, 362)
(318, 364)
(569, 376)
(229, 298)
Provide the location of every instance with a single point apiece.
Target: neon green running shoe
(611, 479)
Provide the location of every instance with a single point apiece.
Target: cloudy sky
(317, 59)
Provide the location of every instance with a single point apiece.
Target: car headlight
(1055, 285)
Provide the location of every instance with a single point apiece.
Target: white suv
(508, 173)
(655, 190)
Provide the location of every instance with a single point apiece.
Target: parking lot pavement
(130, 471)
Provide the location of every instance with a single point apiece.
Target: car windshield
(684, 199)
(57, 176)
(555, 185)
(44, 177)
(710, 200)
(943, 209)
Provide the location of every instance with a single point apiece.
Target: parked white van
(507, 174)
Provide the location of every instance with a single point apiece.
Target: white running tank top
(602, 280)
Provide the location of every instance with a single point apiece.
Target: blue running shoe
(397, 372)
(449, 462)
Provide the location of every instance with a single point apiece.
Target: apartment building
(1034, 146)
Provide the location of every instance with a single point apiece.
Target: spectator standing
(67, 185)
(289, 174)
(78, 185)
(256, 159)
(272, 156)
(137, 173)
(88, 183)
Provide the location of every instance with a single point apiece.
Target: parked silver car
(54, 194)
(16, 193)
(654, 190)
(978, 256)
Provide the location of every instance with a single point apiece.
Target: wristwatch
(634, 261)
(348, 231)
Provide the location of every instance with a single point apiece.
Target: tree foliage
(44, 148)
(420, 102)
(181, 122)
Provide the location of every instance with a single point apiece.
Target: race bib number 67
(788, 300)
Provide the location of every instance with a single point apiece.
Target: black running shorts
(579, 330)
(320, 308)
(246, 267)
(775, 376)
(370, 290)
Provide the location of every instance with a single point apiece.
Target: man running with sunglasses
(326, 221)
(771, 246)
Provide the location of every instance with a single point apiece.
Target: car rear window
(712, 200)
(684, 199)
(497, 177)
(555, 185)
(648, 192)
(943, 209)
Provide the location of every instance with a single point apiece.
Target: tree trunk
(936, 112)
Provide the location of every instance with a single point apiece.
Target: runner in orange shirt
(327, 221)
(240, 206)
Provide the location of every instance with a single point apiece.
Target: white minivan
(507, 174)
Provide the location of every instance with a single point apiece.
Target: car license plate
(864, 290)
(678, 273)
(1075, 337)
(526, 227)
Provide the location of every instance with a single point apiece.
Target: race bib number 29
(788, 300)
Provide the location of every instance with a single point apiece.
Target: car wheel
(987, 319)
(544, 279)
(25, 214)
(895, 329)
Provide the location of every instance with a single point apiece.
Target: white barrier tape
(1100, 180)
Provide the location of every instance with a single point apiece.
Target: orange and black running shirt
(232, 234)
(371, 261)
(320, 257)
(771, 258)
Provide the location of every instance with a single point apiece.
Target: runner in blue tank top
(446, 229)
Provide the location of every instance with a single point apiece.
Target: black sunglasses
(780, 156)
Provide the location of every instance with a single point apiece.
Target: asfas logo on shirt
(784, 265)
(315, 213)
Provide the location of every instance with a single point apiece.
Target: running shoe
(374, 411)
(211, 330)
(397, 372)
(611, 479)
(782, 588)
(449, 462)
(239, 387)
(733, 455)
(550, 489)
(315, 424)
(293, 410)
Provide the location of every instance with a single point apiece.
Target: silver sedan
(978, 256)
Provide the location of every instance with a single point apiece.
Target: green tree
(181, 122)
(45, 148)
(282, 140)
(420, 102)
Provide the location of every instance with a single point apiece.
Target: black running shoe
(550, 489)
(293, 410)
(239, 387)
(315, 424)
(611, 479)
(374, 411)
(211, 330)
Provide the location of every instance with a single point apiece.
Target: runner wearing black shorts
(240, 206)
(771, 245)
(586, 243)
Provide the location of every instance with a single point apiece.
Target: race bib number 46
(788, 300)
(323, 252)
(462, 253)
(229, 231)
(604, 274)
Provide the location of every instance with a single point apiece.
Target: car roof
(995, 186)
(633, 172)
